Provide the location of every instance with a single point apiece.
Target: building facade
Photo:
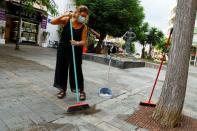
(193, 58)
(31, 26)
(35, 26)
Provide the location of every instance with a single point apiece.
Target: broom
(149, 103)
(79, 106)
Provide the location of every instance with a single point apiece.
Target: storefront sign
(2, 15)
(44, 23)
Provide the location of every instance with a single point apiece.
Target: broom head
(80, 106)
(150, 104)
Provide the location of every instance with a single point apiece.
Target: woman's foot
(82, 96)
(61, 94)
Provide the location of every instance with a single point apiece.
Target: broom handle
(163, 56)
(74, 63)
(108, 68)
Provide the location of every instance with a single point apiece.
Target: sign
(2, 15)
(44, 23)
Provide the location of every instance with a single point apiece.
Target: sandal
(61, 95)
(82, 96)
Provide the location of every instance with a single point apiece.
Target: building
(31, 26)
(193, 58)
(62, 6)
(35, 28)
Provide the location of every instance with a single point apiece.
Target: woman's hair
(83, 8)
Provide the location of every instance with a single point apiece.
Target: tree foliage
(154, 37)
(162, 45)
(141, 36)
(113, 17)
(49, 4)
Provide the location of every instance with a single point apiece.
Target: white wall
(138, 48)
(63, 6)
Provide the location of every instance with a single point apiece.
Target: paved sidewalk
(27, 96)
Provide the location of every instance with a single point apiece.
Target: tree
(162, 45)
(154, 37)
(28, 5)
(91, 43)
(141, 36)
(169, 108)
(113, 17)
(49, 4)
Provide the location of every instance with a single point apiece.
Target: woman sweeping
(64, 61)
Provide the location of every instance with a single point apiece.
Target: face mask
(81, 19)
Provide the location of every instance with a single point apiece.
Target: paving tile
(92, 120)
(108, 127)
(3, 126)
(89, 127)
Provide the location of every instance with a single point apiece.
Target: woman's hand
(76, 43)
(67, 14)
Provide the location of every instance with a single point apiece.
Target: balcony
(35, 5)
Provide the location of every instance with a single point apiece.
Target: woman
(64, 53)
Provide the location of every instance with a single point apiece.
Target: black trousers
(64, 66)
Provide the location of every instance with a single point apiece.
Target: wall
(63, 6)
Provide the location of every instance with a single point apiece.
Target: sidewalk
(27, 96)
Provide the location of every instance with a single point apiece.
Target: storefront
(30, 27)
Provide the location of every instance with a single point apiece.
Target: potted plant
(45, 35)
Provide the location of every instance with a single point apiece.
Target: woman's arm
(62, 19)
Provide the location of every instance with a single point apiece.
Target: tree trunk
(143, 52)
(150, 51)
(170, 105)
(98, 47)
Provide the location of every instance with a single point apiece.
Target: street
(28, 98)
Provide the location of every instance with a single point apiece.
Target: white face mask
(81, 19)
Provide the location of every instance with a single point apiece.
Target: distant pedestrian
(64, 52)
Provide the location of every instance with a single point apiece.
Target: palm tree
(154, 37)
(142, 37)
